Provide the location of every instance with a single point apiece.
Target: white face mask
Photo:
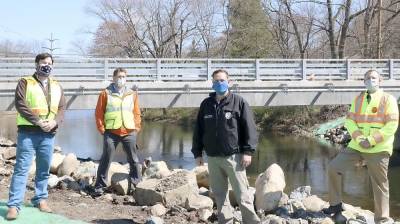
(372, 85)
(121, 82)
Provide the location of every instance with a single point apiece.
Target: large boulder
(202, 176)
(146, 193)
(314, 203)
(269, 188)
(56, 161)
(114, 169)
(120, 183)
(157, 169)
(172, 190)
(197, 201)
(68, 166)
(158, 210)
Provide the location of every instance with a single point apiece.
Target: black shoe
(95, 191)
(333, 209)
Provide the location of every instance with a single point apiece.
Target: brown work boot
(44, 207)
(12, 213)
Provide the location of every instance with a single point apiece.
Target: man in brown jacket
(40, 103)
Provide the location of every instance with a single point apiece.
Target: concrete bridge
(166, 83)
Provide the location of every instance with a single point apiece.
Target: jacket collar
(224, 100)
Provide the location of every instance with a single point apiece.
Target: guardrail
(164, 69)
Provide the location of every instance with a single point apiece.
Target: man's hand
(365, 144)
(47, 125)
(246, 160)
(199, 161)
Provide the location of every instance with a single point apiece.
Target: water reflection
(303, 161)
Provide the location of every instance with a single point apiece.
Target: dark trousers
(110, 143)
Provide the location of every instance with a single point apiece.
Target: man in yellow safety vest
(372, 123)
(40, 104)
(118, 120)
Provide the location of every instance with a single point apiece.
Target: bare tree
(153, 28)
(289, 24)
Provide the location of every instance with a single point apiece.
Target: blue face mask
(44, 70)
(220, 87)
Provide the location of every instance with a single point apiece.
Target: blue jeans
(29, 144)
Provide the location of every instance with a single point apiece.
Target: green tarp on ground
(31, 215)
(323, 128)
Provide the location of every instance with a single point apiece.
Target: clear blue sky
(35, 20)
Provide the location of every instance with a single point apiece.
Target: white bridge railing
(164, 69)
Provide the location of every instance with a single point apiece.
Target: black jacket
(226, 128)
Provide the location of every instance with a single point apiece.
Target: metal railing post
(105, 69)
(257, 69)
(209, 72)
(391, 71)
(303, 69)
(348, 69)
(158, 69)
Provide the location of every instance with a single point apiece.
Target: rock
(358, 212)
(120, 183)
(202, 176)
(85, 180)
(273, 219)
(70, 183)
(107, 197)
(171, 190)
(158, 210)
(154, 220)
(178, 187)
(204, 191)
(5, 172)
(296, 205)
(158, 170)
(327, 221)
(68, 166)
(145, 193)
(284, 200)
(204, 214)
(196, 202)
(116, 168)
(56, 162)
(313, 203)
(53, 181)
(87, 168)
(300, 193)
(6, 142)
(8, 153)
(57, 149)
(269, 188)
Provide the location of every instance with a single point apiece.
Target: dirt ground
(114, 209)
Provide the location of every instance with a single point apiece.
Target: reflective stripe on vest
(119, 111)
(379, 118)
(36, 100)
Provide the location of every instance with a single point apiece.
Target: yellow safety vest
(119, 110)
(37, 102)
(376, 121)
